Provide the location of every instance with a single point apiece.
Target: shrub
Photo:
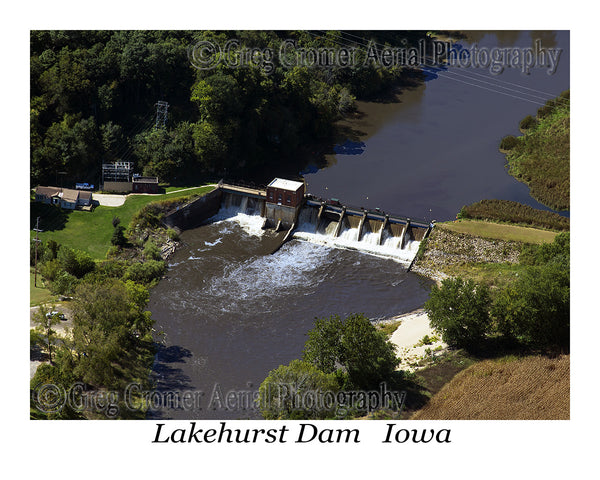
(149, 216)
(535, 310)
(146, 272)
(151, 251)
(281, 394)
(459, 311)
(75, 262)
(172, 234)
(64, 284)
(50, 270)
(509, 211)
(112, 268)
(527, 123)
(118, 238)
(557, 252)
(509, 142)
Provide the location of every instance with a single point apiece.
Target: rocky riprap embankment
(446, 249)
(168, 248)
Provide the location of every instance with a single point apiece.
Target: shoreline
(407, 339)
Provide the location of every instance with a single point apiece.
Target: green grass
(499, 231)
(540, 158)
(39, 294)
(389, 328)
(497, 275)
(92, 231)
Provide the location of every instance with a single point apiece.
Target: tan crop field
(510, 388)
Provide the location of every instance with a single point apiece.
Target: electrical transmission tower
(161, 114)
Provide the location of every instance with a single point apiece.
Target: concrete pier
(383, 227)
(405, 234)
(340, 222)
(361, 225)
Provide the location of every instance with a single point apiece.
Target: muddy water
(230, 311)
(434, 148)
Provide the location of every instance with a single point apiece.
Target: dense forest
(94, 95)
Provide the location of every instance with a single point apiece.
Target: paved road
(116, 200)
(109, 200)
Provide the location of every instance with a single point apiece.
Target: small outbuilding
(145, 184)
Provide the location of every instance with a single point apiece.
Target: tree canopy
(93, 96)
(354, 346)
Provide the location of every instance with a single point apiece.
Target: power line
(129, 151)
(133, 132)
(328, 35)
(464, 75)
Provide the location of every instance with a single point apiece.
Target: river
(434, 148)
(230, 311)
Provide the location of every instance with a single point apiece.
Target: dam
(238, 301)
(284, 206)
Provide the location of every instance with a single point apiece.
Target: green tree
(535, 309)
(109, 322)
(367, 354)
(75, 262)
(151, 251)
(45, 321)
(296, 391)
(145, 272)
(324, 347)
(353, 346)
(557, 252)
(459, 310)
(63, 284)
(118, 238)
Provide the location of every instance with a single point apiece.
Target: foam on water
(390, 247)
(251, 224)
(261, 279)
(212, 244)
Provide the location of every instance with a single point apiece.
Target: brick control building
(285, 192)
(283, 202)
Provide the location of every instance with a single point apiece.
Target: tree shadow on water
(167, 376)
(169, 381)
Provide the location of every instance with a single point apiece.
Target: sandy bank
(406, 338)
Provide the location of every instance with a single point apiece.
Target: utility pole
(62, 174)
(161, 114)
(36, 230)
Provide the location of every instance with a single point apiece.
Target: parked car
(55, 313)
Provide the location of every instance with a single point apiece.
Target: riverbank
(417, 344)
(540, 157)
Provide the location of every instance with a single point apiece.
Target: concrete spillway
(376, 233)
(330, 224)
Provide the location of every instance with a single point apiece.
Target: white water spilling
(348, 239)
(251, 222)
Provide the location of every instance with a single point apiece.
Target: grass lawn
(39, 294)
(491, 274)
(500, 231)
(92, 231)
